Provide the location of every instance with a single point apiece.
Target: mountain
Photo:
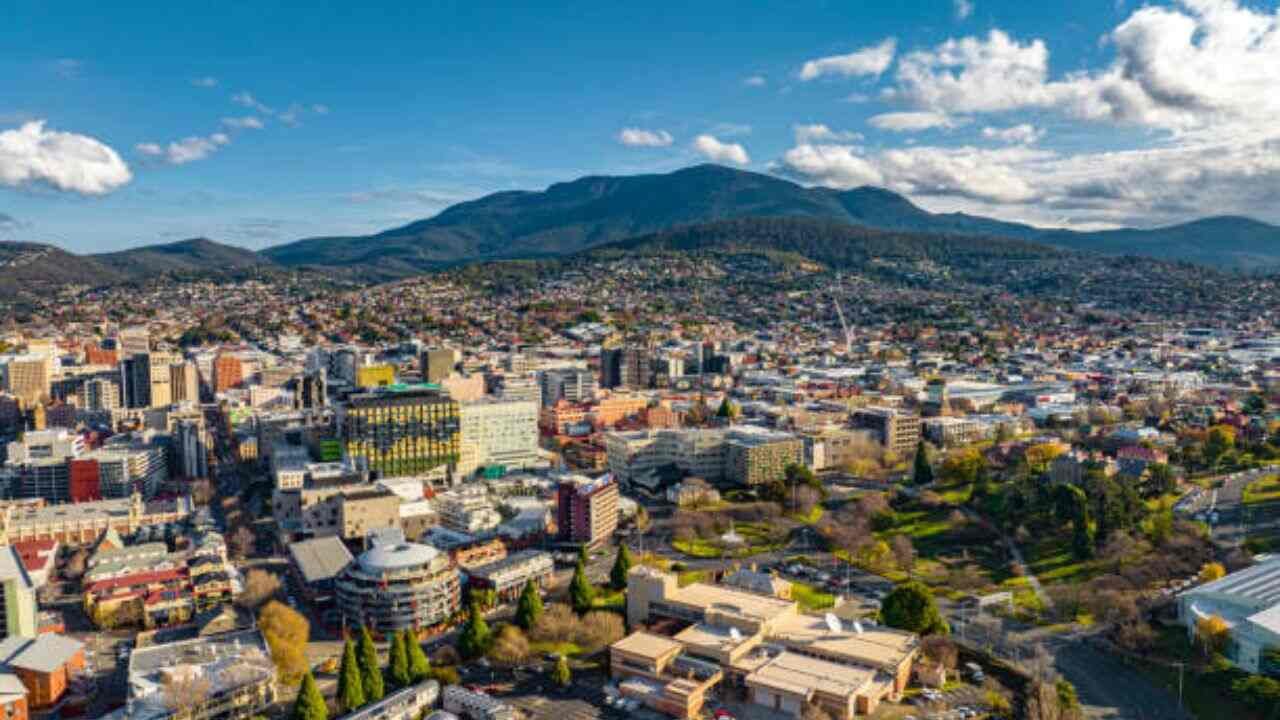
(28, 266)
(597, 210)
(196, 256)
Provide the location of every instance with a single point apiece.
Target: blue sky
(122, 126)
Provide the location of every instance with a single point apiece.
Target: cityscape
(909, 372)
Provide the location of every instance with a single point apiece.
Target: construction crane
(844, 325)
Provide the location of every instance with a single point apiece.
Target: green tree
(370, 671)
(727, 410)
(530, 607)
(911, 607)
(580, 590)
(560, 674)
(419, 666)
(1160, 480)
(350, 687)
(398, 663)
(310, 703)
(621, 566)
(473, 641)
(922, 473)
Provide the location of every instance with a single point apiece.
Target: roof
(12, 568)
(402, 556)
(1258, 583)
(45, 653)
(877, 646)
(799, 675)
(320, 559)
(646, 645)
(10, 684)
(732, 601)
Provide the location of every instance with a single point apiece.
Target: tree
(1160, 480)
(621, 566)
(904, 553)
(581, 592)
(350, 687)
(1041, 454)
(728, 410)
(1068, 700)
(286, 632)
(259, 587)
(600, 628)
(560, 674)
(911, 607)
(398, 662)
(474, 639)
(511, 646)
(922, 473)
(310, 703)
(184, 695)
(1220, 439)
(529, 608)
(962, 467)
(1213, 633)
(1211, 571)
(370, 672)
(419, 666)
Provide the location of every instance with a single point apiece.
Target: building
(184, 382)
(374, 376)
(439, 363)
(625, 367)
(760, 457)
(953, 431)
(562, 418)
(783, 660)
(475, 705)
(135, 381)
(346, 510)
(467, 510)
(45, 665)
(20, 611)
(310, 390)
(133, 341)
(1248, 601)
(410, 703)
(192, 442)
(587, 509)
(897, 431)
(235, 667)
(84, 523)
(657, 671)
(576, 385)
(507, 577)
(503, 432)
(316, 565)
(398, 585)
(401, 430)
(98, 394)
(616, 408)
(161, 379)
(28, 377)
(228, 372)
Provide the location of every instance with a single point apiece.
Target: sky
(124, 124)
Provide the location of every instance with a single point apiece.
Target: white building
(1249, 601)
(503, 432)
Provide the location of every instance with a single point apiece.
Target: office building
(760, 457)
(184, 382)
(467, 510)
(99, 393)
(374, 376)
(401, 430)
(161, 379)
(28, 377)
(587, 509)
(896, 430)
(410, 703)
(1249, 601)
(625, 367)
(463, 702)
(133, 341)
(503, 432)
(439, 363)
(397, 585)
(228, 372)
(192, 442)
(576, 385)
(310, 390)
(135, 381)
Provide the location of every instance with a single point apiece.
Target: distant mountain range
(596, 211)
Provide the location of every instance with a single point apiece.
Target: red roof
(144, 578)
(36, 554)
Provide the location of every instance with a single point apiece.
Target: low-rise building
(408, 703)
(475, 705)
(1248, 601)
(507, 577)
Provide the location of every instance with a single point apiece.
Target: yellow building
(374, 376)
(402, 430)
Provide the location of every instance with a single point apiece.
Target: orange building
(228, 372)
(556, 419)
(94, 354)
(662, 416)
(45, 665)
(613, 410)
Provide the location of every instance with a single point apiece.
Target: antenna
(857, 627)
(735, 634)
(833, 622)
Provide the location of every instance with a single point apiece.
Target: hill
(597, 210)
(34, 266)
(197, 256)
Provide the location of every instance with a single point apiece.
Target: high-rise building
(192, 443)
(372, 376)
(184, 381)
(133, 341)
(437, 363)
(398, 585)
(29, 377)
(401, 430)
(503, 432)
(99, 393)
(626, 367)
(135, 381)
(228, 372)
(161, 379)
(577, 385)
(898, 431)
(309, 390)
(586, 509)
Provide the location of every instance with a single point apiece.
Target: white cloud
(1022, 134)
(639, 137)
(819, 133)
(66, 161)
(291, 115)
(913, 121)
(188, 149)
(755, 81)
(869, 61)
(248, 122)
(973, 75)
(716, 151)
(207, 81)
(963, 8)
(249, 101)
(320, 109)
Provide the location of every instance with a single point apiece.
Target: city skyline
(259, 127)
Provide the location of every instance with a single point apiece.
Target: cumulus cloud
(819, 133)
(207, 81)
(868, 62)
(913, 121)
(248, 122)
(32, 154)
(639, 137)
(755, 81)
(715, 150)
(963, 8)
(1022, 134)
(188, 149)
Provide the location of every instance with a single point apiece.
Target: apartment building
(756, 458)
(576, 385)
(507, 577)
(27, 377)
(502, 432)
(401, 430)
(897, 430)
(587, 509)
(398, 585)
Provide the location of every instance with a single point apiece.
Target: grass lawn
(941, 541)
(754, 536)
(567, 649)
(1050, 559)
(698, 548)
(607, 599)
(1266, 489)
(811, 598)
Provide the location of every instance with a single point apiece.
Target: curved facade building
(398, 586)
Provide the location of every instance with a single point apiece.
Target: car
(722, 714)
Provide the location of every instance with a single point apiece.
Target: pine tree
(370, 671)
(310, 703)
(922, 473)
(350, 687)
(621, 566)
(560, 674)
(584, 556)
(419, 666)
(474, 639)
(398, 664)
(530, 607)
(580, 590)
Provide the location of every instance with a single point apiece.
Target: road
(1109, 688)
(1235, 521)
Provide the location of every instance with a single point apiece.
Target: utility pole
(1180, 667)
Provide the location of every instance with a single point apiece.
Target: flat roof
(801, 675)
(321, 558)
(730, 600)
(1258, 583)
(705, 635)
(878, 646)
(646, 645)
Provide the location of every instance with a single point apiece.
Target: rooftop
(646, 645)
(800, 675)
